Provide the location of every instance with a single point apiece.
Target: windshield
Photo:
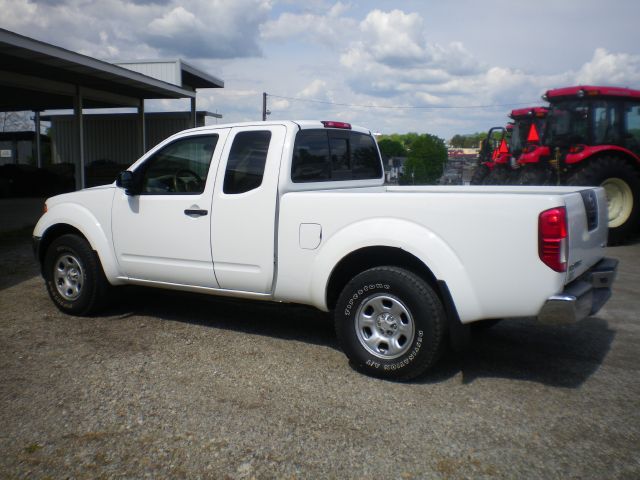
(568, 123)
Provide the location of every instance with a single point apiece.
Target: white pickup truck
(298, 212)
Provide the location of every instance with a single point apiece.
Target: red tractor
(489, 149)
(592, 138)
(528, 124)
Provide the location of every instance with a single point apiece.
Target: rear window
(324, 155)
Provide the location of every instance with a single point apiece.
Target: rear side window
(247, 159)
(333, 155)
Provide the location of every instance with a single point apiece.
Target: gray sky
(392, 66)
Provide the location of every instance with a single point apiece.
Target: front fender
(96, 230)
(411, 237)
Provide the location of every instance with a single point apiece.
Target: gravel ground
(171, 385)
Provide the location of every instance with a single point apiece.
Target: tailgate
(587, 223)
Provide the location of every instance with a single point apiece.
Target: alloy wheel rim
(385, 326)
(68, 276)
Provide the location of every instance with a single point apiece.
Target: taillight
(332, 124)
(552, 238)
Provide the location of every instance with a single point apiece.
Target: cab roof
(529, 112)
(582, 91)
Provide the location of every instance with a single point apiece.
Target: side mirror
(127, 181)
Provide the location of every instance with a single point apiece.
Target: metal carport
(38, 76)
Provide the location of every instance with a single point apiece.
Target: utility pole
(265, 112)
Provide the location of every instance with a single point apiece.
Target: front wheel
(390, 323)
(73, 275)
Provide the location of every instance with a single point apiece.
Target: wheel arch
(389, 242)
(370, 257)
(377, 256)
(72, 219)
(50, 234)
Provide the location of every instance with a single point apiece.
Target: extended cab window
(247, 158)
(179, 168)
(322, 155)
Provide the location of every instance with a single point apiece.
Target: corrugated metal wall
(112, 137)
(166, 71)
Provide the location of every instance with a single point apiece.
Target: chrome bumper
(583, 297)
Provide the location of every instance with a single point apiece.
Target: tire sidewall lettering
(408, 357)
(360, 292)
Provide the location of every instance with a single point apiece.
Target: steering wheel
(189, 185)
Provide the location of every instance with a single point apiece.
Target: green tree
(392, 148)
(425, 161)
(457, 141)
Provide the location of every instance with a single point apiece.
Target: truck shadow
(276, 320)
(522, 349)
(17, 263)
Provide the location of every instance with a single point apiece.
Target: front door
(164, 233)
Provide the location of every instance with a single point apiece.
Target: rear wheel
(479, 174)
(73, 275)
(533, 175)
(500, 175)
(390, 323)
(622, 185)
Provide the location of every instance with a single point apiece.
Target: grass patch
(33, 448)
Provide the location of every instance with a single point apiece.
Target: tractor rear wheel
(479, 174)
(500, 175)
(622, 184)
(533, 175)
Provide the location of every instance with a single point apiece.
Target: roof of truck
(302, 124)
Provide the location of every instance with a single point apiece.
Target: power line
(400, 107)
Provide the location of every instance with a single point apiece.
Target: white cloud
(620, 69)
(316, 90)
(209, 28)
(393, 38)
(142, 29)
(174, 23)
(329, 27)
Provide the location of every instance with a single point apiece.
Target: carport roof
(35, 75)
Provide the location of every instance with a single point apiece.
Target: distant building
(393, 169)
(460, 163)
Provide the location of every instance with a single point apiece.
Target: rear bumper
(583, 297)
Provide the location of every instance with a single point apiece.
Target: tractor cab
(526, 125)
(489, 150)
(528, 129)
(586, 119)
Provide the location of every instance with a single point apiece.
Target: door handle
(194, 212)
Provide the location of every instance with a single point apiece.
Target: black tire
(621, 181)
(74, 277)
(500, 175)
(479, 174)
(534, 175)
(390, 323)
